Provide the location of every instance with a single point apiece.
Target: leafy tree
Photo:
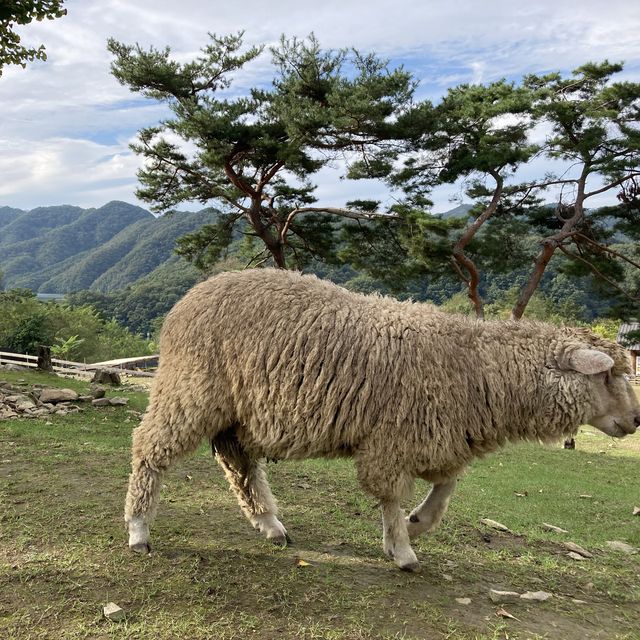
(481, 136)
(22, 12)
(66, 349)
(606, 328)
(256, 154)
(26, 323)
(593, 124)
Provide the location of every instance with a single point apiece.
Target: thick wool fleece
(298, 367)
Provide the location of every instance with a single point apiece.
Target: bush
(26, 323)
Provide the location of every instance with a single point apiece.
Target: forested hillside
(120, 259)
(64, 249)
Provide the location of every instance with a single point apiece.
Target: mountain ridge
(64, 248)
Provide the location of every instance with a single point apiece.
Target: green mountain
(7, 215)
(64, 249)
(35, 223)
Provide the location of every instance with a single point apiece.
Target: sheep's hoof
(279, 541)
(412, 567)
(141, 547)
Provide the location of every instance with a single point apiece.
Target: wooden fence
(123, 365)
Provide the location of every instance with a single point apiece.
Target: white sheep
(273, 364)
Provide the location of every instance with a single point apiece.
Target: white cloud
(65, 123)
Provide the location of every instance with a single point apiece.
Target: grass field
(63, 552)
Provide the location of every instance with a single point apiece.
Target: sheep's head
(610, 403)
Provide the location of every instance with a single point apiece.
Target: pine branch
(595, 270)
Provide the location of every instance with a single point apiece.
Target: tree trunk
(551, 243)
(530, 288)
(462, 261)
(44, 358)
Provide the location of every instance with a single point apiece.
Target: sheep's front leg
(248, 480)
(157, 443)
(396, 538)
(426, 517)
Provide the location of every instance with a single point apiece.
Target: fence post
(44, 358)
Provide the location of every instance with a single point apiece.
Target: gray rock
(550, 527)
(102, 376)
(101, 402)
(14, 399)
(536, 596)
(97, 391)
(25, 405)
(118, 402)
(495, 525)
(113, 612)
(7, 412)
(54, 396)
(616, 545)
(464, 601)
(40, 411)
(576, 548)
(503, 597)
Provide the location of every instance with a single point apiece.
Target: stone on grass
(575, 556)
(113, 612)
(118, 402)
(104, 376)
(616, 545)
(576, 548)
(636, 511)
(536, 596)
(14, 367)
(6, 413)
(97, 391)
(54, 396)
(503, 597)
(13, 399)
(463, 600)
(101, 402)
(551, 527)
(495, 525)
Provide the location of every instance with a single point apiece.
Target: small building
(629, 337)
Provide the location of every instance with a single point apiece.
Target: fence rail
(81, 368)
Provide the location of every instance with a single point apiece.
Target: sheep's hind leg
(426, 517)
(248, 480)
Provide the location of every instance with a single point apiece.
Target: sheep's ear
(590, 361)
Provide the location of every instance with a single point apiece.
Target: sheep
(269, 364)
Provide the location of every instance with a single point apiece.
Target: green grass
(63, 551)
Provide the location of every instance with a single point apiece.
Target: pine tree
(257, 153)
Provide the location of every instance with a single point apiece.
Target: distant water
(47, 297)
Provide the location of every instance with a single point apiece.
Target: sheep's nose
(636, 421)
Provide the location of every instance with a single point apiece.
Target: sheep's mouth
(625, 431)
(613, 428)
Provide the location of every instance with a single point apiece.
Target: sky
(66, 124)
